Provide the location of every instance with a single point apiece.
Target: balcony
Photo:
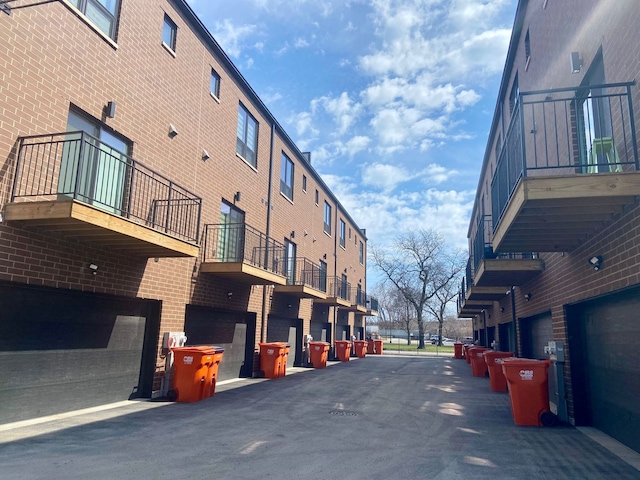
(73, 185)
(569, 165)
(372, 306)
(502, 270)
(243, 253)
(338, 293)
(305, 280)
(472, 299)
(358, 301)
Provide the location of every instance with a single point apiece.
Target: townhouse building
(554, 234)
(144, 189)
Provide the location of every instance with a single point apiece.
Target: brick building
(145, 188)
(554, 244)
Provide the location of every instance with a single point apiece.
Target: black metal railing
(567, 131)
(461, 295)
(372, 303)
(79, 166)
(305, 272)
(482, 248)
(358, 297)
(339, 288)
(241, 243)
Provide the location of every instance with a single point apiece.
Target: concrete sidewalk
(381, 417)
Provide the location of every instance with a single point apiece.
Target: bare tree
(394, 311)
(418, 267)
(445, 287)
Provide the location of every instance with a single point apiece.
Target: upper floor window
(361, 253)
(247, 136)
(169, 33)
(342, 233)
(317, 198)
(327, 218)
(103, 13)
(513, 95)
(214, 84)
(527, 47)
(286, 177)
(304, 183)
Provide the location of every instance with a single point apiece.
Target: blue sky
(393, 98)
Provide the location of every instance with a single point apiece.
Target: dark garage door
(234, 331)
(604, 336)
(287, 330)
(537, 332)
(62, 350)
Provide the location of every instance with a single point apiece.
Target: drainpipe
(514, 320)
(484, 321)
(335, 273)
(263, 330)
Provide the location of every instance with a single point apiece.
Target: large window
(286, 177)
(361, 253)
(102, 13)
(247, 136)
(343, 228)
(327, 218)
(290, 261)
(169, 33)
(95, 172)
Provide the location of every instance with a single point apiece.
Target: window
(102, 13)
(169, 33)
(317, 198)
(349, 233)
(247, 133)
(99, 175)
(361, 253)
(286, 177)
(304, 183)
(322, 266)
(527, 49)
(327, 218)
(513, 95)
(214, 84)
(290, 261)
(342, 233)
(344, 287)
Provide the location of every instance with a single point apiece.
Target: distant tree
(457, 328)
(445, 287)
(395, 313)
(419, 266)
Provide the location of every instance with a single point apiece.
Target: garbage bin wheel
(548, 419)
(172, 395)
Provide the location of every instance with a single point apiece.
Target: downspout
(514, 320)
(263, 329)
(335, 274)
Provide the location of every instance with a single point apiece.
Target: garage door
(537, 332)
(234, 331)
(606, 366)
(62, 350)
(287, 330)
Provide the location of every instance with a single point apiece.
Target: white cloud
(342, 109)
(231, 37)
(300, 43)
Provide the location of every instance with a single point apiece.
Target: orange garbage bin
(271, 355)
(343, 350)
(361, 348)
(497, 380)
(370, 347)
(478, 365)
(378, 346)
(284, 354)
(465, 352)
(457, 350)
(528, 385)
(191, 374)
(318, 353)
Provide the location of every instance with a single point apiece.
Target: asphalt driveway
(389, 417)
